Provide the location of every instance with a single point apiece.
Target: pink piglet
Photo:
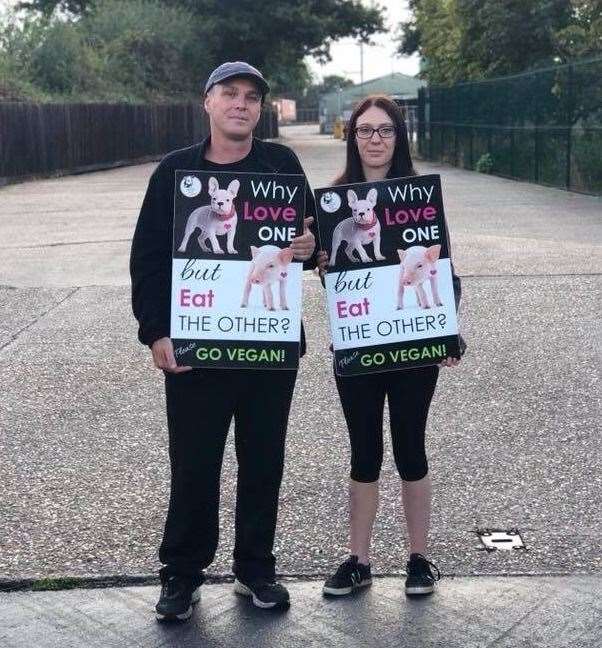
(417, 265)
(269, 265)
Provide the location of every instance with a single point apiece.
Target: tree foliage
(47, 7)
(475, 39)
(310, 96)
(583, 36)
(136, 50)
(148, 54)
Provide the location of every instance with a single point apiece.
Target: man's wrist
(153, 336)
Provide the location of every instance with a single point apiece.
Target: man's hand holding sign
(304, 245)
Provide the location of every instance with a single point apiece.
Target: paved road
(560, 612)
(513, 435)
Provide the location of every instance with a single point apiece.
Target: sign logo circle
(330, 202)
(190, 186)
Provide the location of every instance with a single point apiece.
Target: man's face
(234, 107)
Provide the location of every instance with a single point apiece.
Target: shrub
(484, 164)
(63, 63)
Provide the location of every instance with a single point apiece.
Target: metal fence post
(471, 150)
(512, 165)
(569, 125)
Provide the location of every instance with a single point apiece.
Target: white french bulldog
(360, 229)
(214, 220)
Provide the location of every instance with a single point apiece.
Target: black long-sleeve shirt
(151, 253)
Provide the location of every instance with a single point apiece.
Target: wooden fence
(48, 139)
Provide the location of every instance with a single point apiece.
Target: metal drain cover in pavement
(501, 539)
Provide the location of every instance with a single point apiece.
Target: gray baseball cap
(233, 69)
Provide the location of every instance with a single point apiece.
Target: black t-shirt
(151, 254)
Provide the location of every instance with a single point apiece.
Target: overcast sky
(379, 59)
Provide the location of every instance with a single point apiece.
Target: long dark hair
(401, 163)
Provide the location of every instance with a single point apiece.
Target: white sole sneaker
(241, 588)
(195, 598)
(342, 591)
(417, 591)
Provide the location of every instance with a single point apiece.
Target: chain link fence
(543, 126)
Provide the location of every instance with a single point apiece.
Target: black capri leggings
(363, 399)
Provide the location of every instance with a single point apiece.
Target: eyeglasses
(366, 132)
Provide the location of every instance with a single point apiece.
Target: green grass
(46, 584)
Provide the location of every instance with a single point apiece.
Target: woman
(377, 148)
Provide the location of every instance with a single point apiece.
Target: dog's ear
(233, 187)
(351, 198)
(285, 255)
(254, 251)
(372, 196)
(432, 253)
(401, 254)
(213, 186)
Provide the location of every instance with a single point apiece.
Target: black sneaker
(265, 592)
(349, 576)
(178, 596)
(420, 578)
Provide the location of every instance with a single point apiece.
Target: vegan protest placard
(236, 290)
(389, 282)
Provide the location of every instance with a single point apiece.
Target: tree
(507, 36)
(333, 81)
(276, 35)
(148, 48)
(135, 50)
(435, 31)
(47, 7)
(311, 95)
(475, 39)
(583, 36)
(262, 31)
(62, 63)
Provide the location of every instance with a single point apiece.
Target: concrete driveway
(513, 435)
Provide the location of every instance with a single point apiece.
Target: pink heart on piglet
(372, 234)
(227, 226)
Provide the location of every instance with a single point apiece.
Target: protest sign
(389, 283)
(236, 290)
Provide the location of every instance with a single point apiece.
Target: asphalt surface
(513, 435)
(560, 612)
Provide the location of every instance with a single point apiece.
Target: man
(201, 402)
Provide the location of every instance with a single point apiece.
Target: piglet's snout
(407, 279)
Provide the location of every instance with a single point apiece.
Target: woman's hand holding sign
(163, 356)
(322, 261)
(303, 246)
(453, 362)
(449, 362)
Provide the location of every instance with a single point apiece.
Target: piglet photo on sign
(236, 289)
(389, 282)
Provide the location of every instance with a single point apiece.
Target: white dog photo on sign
(216, 219)
(361, 229)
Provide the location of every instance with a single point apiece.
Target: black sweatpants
(200, 407)
(409, 393)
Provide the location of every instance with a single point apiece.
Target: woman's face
(375, 151)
